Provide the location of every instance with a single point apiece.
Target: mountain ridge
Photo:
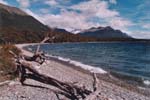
(104, 32)
(13, 10)
(16, 26)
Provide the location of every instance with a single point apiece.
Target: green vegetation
(12, 35)
(7, 65)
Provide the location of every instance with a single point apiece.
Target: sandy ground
(39, 91)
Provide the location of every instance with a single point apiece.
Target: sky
(130, 16)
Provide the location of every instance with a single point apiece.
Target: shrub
(7, 65)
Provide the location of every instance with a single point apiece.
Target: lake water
(128, 59)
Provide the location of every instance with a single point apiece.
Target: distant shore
(109, 86)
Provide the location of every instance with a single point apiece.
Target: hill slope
(104, 33)
(16, 18)
(16, 24)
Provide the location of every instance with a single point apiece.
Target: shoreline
(107, 77)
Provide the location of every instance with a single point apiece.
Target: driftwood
(43, 41)
(95, 92)
(38, 55)
(70, 90)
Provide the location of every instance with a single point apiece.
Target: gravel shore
(39, 91)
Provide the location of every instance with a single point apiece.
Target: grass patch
(7, 65)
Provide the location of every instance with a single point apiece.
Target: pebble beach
(35, 90)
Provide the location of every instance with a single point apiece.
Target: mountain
(16, 18)
(104, 33)
(18, 26)
(60, 30)
(76, 31)
(61, 35)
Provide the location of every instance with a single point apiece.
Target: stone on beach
(57, 70)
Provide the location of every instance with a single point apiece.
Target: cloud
(141, 34)
(120, 23)
(95, 8)
(81, 16)
(24, 3)
(113, 1)
(3, 2)
(68, 20)
(75, 20)
(100, 9)
(57, 4)
(146, 26)
(51, 2)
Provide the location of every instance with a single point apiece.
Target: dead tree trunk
(96, 93)
(70, 90)
(43, 41)
(38, 56)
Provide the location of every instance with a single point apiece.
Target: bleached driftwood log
(38, 55)
(70, 90)
(39, 44)
(95, 92)
(95, 82)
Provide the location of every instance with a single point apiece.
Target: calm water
(132, 59)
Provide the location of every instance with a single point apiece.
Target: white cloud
(113, 1)
(75, 20)
(51, 2)
(100, 9)
(95, 8)
(3, 2)
(141, 35)
(24, 3)
(67, 20)
(146, 26)
(58, 3)
(88, 10)
(120, 23)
